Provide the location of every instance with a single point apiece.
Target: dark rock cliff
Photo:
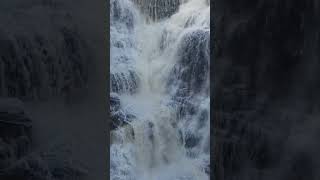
(18, 157)
(267, 79)
(48, 53)
(42, 53)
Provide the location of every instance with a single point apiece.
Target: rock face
(123, 78)
(192, 68)
(42, 56)
(157, 10)
(119, 117)
(15, 132)
(120, 14)
(17, 157)
(265, 96)
(41, 62)
(121, 82)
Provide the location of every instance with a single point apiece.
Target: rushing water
(160, 90)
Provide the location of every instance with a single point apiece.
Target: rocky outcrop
(188, 85)
(120, 13)
(157, 10)
(192, 68)
(124, 82)
(266, 56)
(118, 116)
(123, 77)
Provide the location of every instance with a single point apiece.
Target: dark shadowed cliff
(53, 71)
(266, 94)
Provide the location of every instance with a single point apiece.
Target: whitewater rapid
(160, 91)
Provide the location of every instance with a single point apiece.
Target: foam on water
(155, 144)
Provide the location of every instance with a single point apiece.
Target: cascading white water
(160, 92)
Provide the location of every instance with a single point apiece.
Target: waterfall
(160, 102)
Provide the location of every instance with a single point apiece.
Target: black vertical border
(107, 42)
(212, 91)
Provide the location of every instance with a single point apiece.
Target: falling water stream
(160, 101)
